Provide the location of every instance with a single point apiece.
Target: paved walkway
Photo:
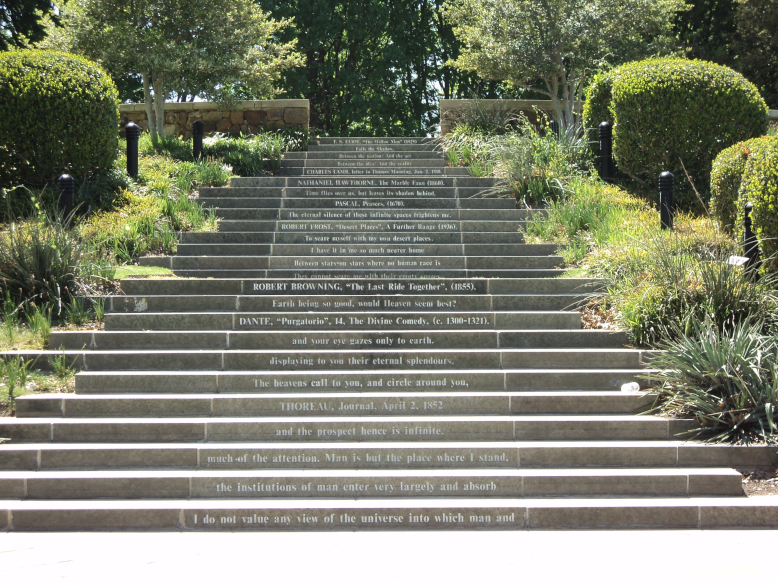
(375, 557)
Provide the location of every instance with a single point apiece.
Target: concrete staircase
(362, 345)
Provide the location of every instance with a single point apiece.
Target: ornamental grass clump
(726, 379)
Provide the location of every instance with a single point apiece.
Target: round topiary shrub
(58, 113)
(674, 113)
(760, 187)
(726, 177)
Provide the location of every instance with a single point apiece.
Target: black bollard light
(606, 150)
(553, 126)
(666, 185)
(197, 139)
(750, 244)
(132, 132)
(66, 190)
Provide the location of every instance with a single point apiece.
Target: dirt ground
(760, 482)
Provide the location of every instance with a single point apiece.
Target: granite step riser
(375, 360)
(364, 341)
(305, 265)
(253, 486)
(362, 182)
(386, 286)
(368, 163)
(324, 381)
(447, 192)
(396, 171)
(312, 431)
(339, 237)
(510, 516)
(245, 216)
(279, 320)
(405, 273)
(335, 149)
(217, 204)
(141, 307)
(311, 405)
(378, 456)
(351, 227)
(365, 156)
(366, 141)
(428, 254)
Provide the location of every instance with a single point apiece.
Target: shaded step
(361, 484)
(278, 320)
(350, 515)
(444, 286)
(363, 181)
(125, 308)
(379, 162)
(376, 141)
(353, 237)
(424, 193)
(368, 214)
(192, 382)
(372, 148)
(347, 404)
(318, 154)
(402, 455)
(343, 429)
(316, 274)
(217, 204)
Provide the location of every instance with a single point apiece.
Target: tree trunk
(149, 105)
(159, 104)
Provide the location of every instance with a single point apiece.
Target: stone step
(390, 286)
(382, 236)
(376, 455)
(218, 203)
(125, 308)
(331, 149)
(349, 225)
(398, 170)
(363, 182)
(426, 254)
(317, 274)
(342, 429)
(326, 380)
(276, 337)
(395, 162)
(398, 515)
(367, 141)
(269, 214)
(363, 484)
(429, 193)
(354, 155)
(340, 320)
(347, 404)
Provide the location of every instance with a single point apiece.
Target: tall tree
(707, 29)
(755, 47)
(554, 46)
(374, 67)
(196, 47)
(23, 21)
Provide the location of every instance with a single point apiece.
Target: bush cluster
(671, 114)
(760, 188)
(58, 113)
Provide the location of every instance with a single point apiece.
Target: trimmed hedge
(58, 113)
(667, 110)
(760, 188)
(726, 177)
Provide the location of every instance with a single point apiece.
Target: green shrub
(43, 263)
(727, 380)
(597, 107)
(673, 113)
(760, 188)
(58, 113)
(726, 177)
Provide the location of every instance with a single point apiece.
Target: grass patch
(125, 271)
(17, 380)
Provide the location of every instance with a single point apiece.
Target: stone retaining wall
(250, 117)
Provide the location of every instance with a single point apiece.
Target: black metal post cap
(64, 179)
(606, 129)
(198, 127)
(132, 131)
(749, 207)
(666, 180)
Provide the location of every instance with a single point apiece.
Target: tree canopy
(210, 48)
(555, 46)
(23, 21)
